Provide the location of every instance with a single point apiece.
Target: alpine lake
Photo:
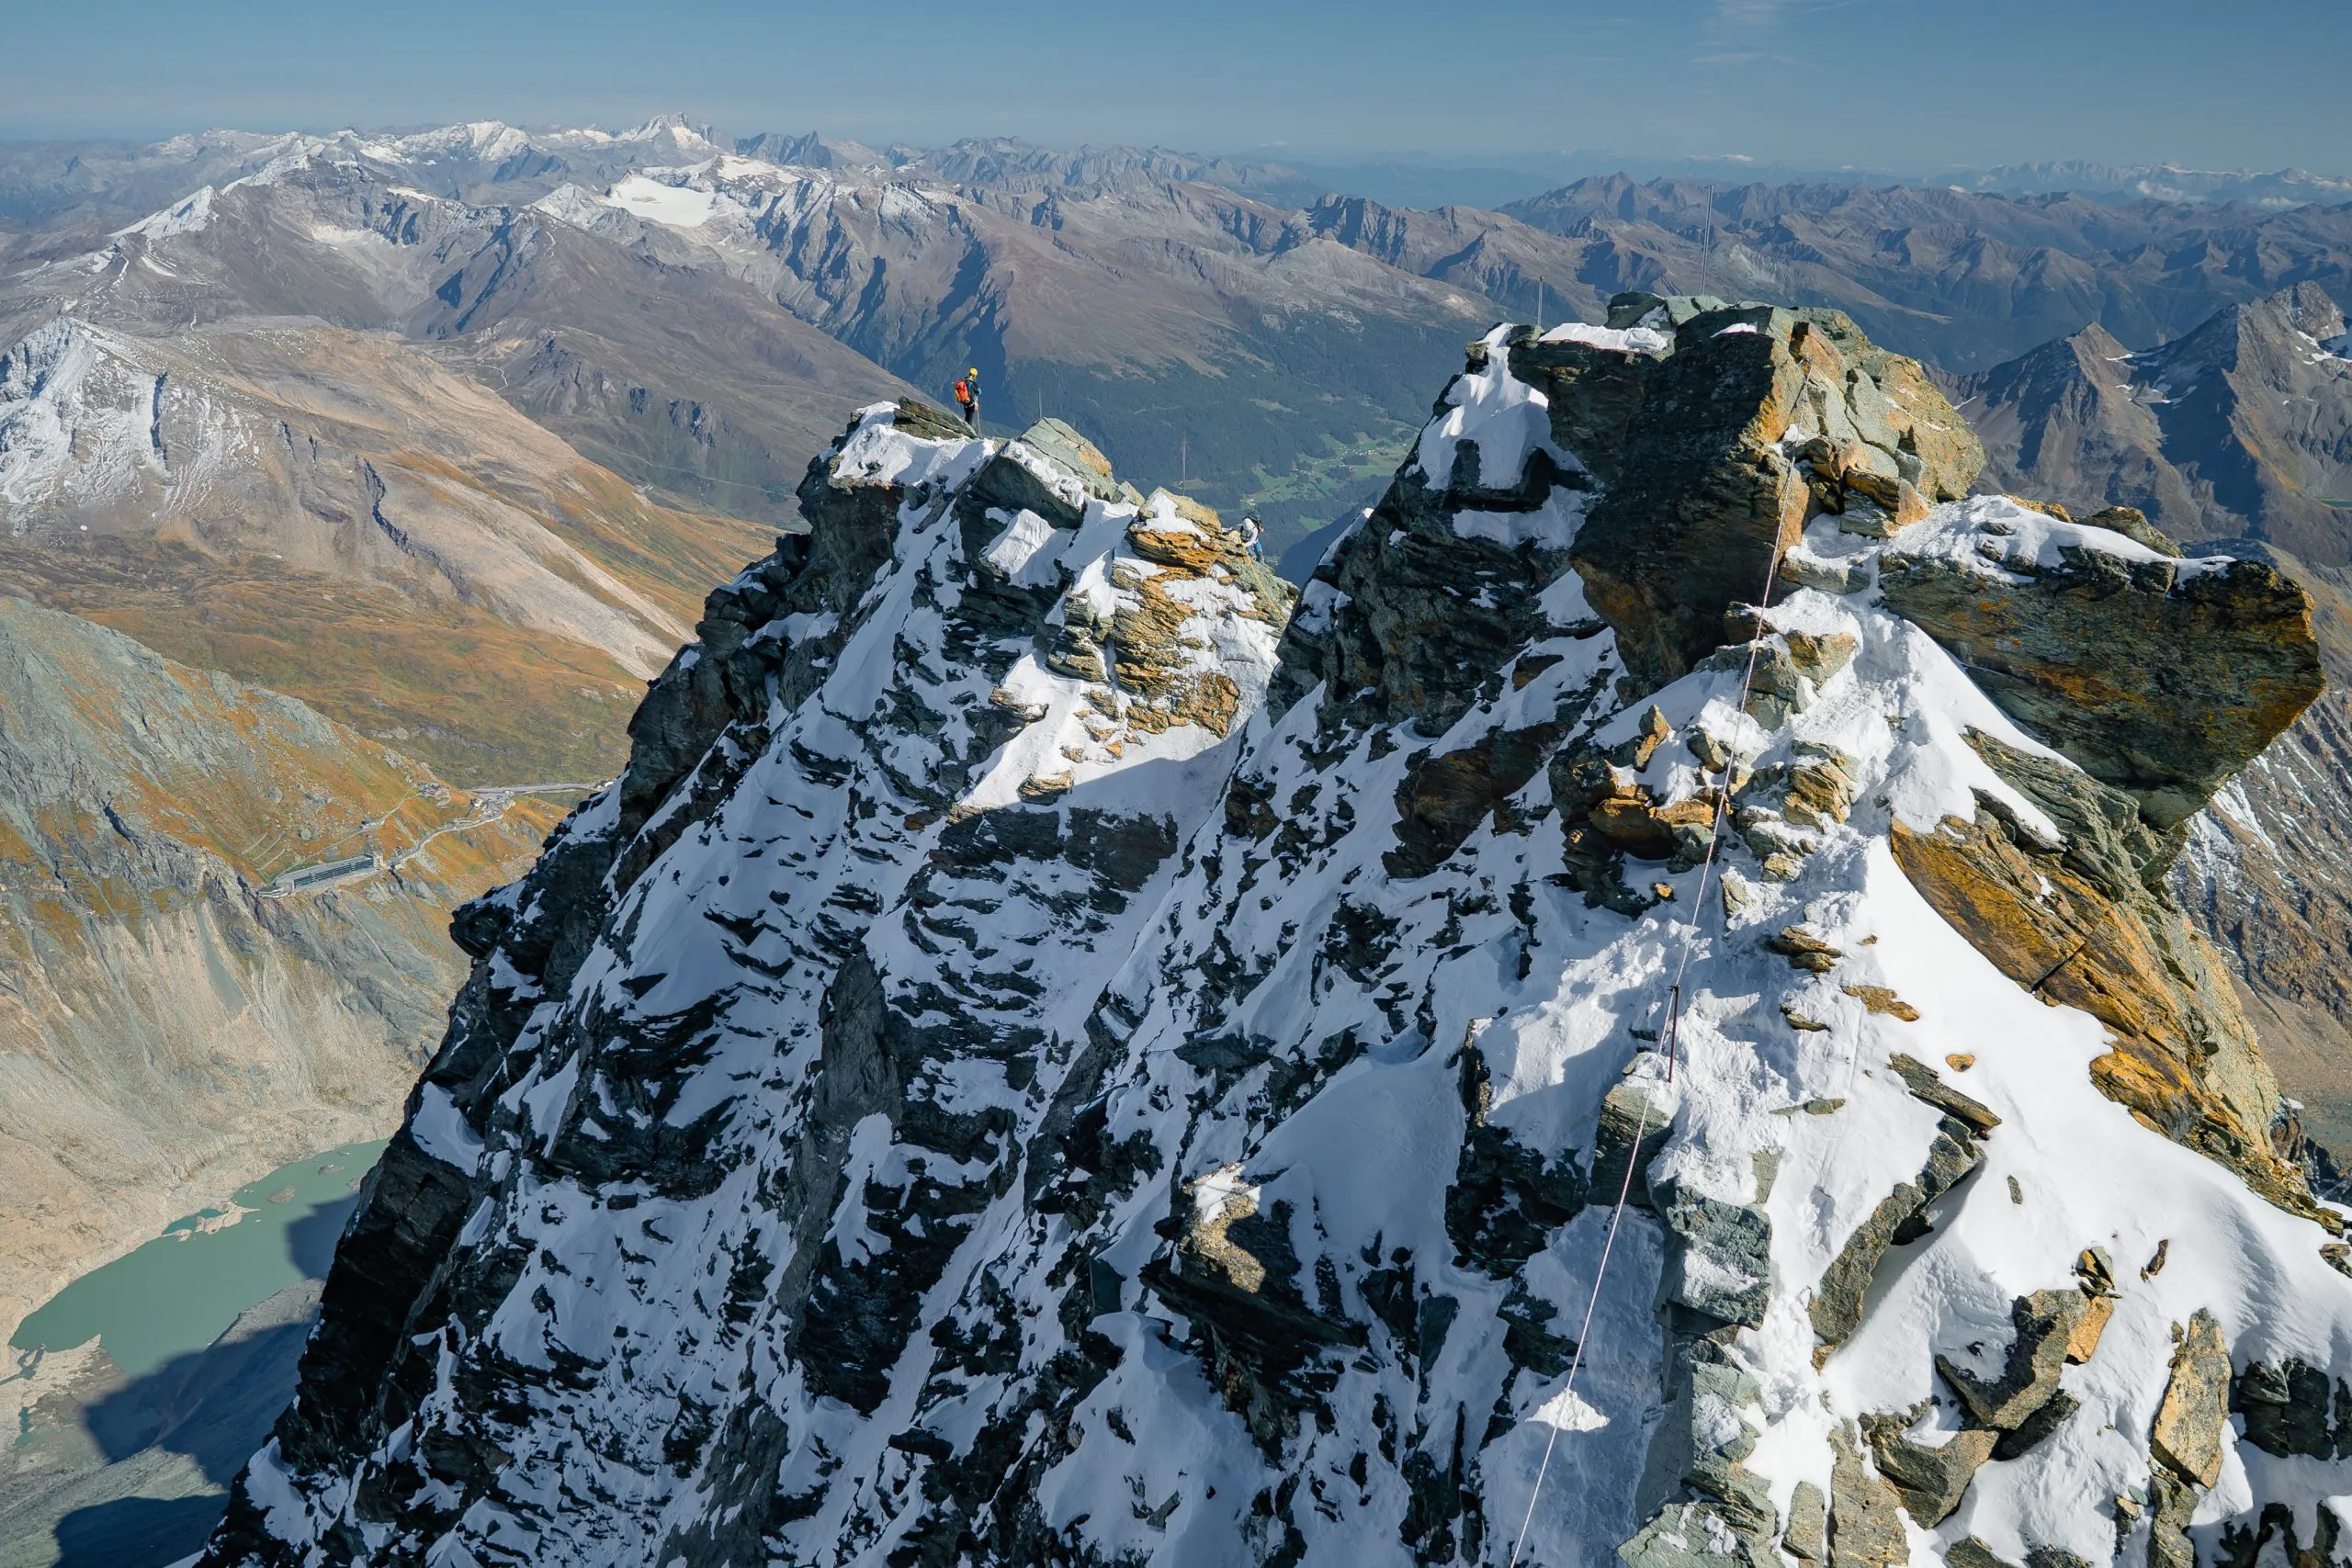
(174, 1295)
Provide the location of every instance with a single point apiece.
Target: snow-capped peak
(191, 216)
(1026, 1068)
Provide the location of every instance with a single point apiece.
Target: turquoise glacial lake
(175, 1293)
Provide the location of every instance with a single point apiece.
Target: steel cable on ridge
(1671, 1036)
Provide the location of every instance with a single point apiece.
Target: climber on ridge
(1253, 537)
(968, 396)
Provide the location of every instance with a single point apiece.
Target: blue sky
(1907, 84)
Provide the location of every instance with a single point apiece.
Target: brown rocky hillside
(167, 1030)
(333, 514)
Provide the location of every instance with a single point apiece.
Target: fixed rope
(1670, 1038)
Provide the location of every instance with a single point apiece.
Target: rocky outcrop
(1865, 1521)
(2294, 1409)
(2046, 1324)
(1235, 1276)
(1050, 470)
(1686, 410)
(2236, 432)
(1420, 616)
(2079, 923)
(1836, 1308)
(2185, 1440)
(2187, 1437)
(1930, 1478)
(2004, 1414)
(995, 764)
(2161, 678)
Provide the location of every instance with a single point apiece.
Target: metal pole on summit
(1673, 1028)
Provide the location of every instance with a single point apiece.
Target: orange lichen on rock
(2181, 1054)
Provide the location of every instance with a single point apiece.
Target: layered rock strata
(1718, 429)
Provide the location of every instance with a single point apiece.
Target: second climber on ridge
(968, 396)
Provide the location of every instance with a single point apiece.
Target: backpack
(963, 392)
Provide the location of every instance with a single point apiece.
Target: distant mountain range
(446, 431)
(2160, 182)
(444, 434)
(42, 181)
(2237, 437)
(2240, 428)
(1407, 181)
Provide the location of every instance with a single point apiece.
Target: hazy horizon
(1894, 88)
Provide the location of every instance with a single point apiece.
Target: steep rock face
(2077, 924)
(878, 695)
(2234, 431)
(1692, 433)
(2258, 872)
(946, 1104)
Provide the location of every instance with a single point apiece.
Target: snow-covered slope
(1018, 1072)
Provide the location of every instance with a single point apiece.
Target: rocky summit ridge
(1052, 1054)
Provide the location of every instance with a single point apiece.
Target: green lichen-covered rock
(1865, 1521)
(1837, 1309)
(2044, 1323)
(1931, 1479)
(1689, 1535)
(1051, 470)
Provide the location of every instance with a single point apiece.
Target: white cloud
(1757, 15)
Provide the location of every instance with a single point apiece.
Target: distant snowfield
(675, 207)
